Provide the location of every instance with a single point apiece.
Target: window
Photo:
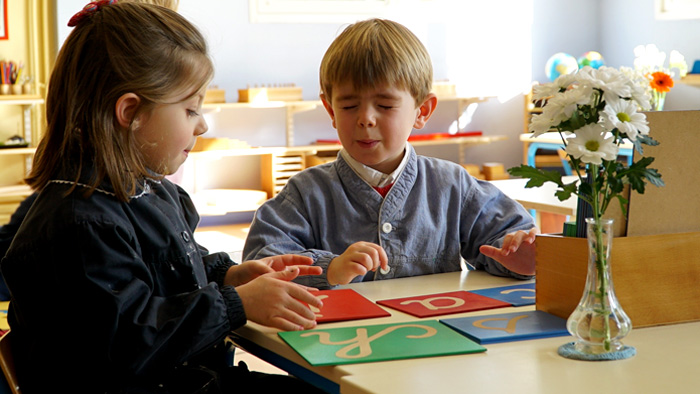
(677, 9)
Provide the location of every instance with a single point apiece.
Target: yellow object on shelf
(474, 170)
(215, 96)
(495, 171)
(284, 93)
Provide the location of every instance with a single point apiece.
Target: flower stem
(600, 258)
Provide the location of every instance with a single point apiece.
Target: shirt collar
(370, 175)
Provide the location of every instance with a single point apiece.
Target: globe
(559, 64)
(591, 58)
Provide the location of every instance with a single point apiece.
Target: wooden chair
(7, 363)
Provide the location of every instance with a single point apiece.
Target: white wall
(494, 48)
(624, 24)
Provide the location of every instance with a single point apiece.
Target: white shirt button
(386, 227)
(384, 271)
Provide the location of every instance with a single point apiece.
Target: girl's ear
(125, 109)
(329, 109)
(425, 110)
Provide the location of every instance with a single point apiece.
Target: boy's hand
(243, 273)
(358, 259)
(272, 300)
(517, 253)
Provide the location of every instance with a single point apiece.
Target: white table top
(540, 198)
(667, 357)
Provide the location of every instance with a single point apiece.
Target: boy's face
(374, 125)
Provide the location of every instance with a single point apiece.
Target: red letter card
(443, 303)
(345, 304)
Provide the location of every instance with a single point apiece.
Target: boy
(380, 211)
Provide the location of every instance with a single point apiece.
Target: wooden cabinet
(15, 162)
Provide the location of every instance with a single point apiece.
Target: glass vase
(598, 323)
(657, 100)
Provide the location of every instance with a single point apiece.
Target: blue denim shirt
(434, 213)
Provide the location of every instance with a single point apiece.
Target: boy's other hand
(517, 252)
(358, 259)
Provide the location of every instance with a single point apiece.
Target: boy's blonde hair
(121, 48)
(377, 52)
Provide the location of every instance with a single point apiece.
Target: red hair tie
(89, 9)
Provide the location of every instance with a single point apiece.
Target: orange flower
(661, 82)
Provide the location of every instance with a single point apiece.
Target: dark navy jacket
(120, 289)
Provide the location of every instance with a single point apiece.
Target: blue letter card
(516, 295)
(508, 327)
(360, 344)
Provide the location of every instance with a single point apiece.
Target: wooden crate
(656, 277)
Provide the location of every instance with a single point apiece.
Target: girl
(106, 251)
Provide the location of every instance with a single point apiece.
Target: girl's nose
(202, 127)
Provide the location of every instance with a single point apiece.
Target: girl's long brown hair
(125, 47)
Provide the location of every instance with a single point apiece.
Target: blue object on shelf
(696, 67)
(534, 146)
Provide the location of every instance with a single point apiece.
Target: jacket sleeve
(280, 227)
(487, 216)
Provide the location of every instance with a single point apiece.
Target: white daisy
(548, 90)
(611, 81)
(590, 145)
(623, 115)
(563, 105)
(540, 124)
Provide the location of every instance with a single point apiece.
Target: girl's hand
(243, 273)
(358, 259)
(272, 300)
(517, 253)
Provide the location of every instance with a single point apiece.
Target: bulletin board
(674, 208)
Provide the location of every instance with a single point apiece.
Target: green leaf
(638, 173)
(566, 191)
(623, 204)
(537, 176)
(643, 139)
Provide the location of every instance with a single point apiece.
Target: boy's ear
(425, 110)
(328, 108)
(125, 109)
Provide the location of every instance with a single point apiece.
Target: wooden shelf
(21, 99)
(17, 151)
(692, 80)
(11, 196)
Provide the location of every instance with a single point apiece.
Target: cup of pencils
(11, 77)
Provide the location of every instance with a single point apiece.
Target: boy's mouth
(367, 143)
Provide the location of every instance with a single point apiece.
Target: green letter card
(382, 342)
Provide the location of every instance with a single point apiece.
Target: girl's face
(373, 125)
(169, 131)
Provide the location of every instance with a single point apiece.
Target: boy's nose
(367, 119)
